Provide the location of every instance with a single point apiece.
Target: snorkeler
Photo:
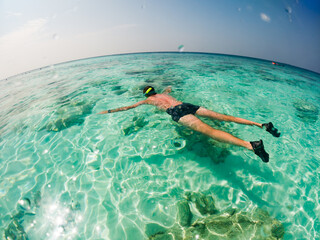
(184, 113)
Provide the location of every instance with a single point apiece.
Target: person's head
(149, 91)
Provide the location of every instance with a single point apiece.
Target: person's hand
(168, 90)
(104, 112)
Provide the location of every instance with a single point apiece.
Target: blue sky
(37, 33)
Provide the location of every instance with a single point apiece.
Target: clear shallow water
(79, 175)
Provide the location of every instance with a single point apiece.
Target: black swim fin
(258, 149)
(271, 129)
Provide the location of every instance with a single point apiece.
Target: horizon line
(158, 52)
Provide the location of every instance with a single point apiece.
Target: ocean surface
(69, 173)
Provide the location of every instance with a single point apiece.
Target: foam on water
(68, 173)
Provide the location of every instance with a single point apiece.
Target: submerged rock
(204, 203)
(306, 111)
(277, 230)
(154, 229)
(15, 231)
(136, 125)
(26, 209)
(37, 199)
(147, 72)
(184, 213)
(227, 224)
(162, 236)
(25, 219)
(69, 115)
(223, 226)
(174, 233)
(25, 204)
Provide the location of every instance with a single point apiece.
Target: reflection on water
(69, 173)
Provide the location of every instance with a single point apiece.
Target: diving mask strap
(149, 89)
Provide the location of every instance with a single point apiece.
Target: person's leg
(203, 112)
(196, 124)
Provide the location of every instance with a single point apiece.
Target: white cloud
(35, 45)
(265, 17)
(123, 27)
(17, 47)
(27, 32)
(13, 14)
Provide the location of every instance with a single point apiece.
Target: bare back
(162, 101)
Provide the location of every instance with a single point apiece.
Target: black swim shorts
(181, 110)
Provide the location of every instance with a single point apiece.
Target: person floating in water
(185, 114)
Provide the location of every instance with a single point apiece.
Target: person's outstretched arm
(124, 108)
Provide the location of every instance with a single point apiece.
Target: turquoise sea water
(68, 173)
